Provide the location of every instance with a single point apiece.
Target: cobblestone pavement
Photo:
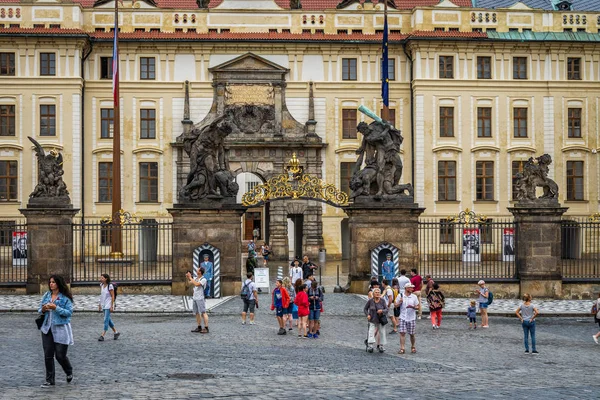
(177, 304)
(158, 358)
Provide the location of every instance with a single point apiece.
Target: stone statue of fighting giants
(534, 175)
(209, 175)
(50, 187)
(378, 170)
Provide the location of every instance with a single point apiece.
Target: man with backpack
(249, 297)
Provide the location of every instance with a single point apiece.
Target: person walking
(483, 293)
(527, 313)
(409, 304)
(280, 300)
(436, 301)
(417, 281)
(296, 272)
(107, 305)
(472, 315)
(376, 312)
(315, 297)
(57, 308)
(402, 280)
(302, 302)
(597, 318)
(308, 268)
(256, 234)
(199, 300)
(394, 307)
(249, 297)
(265, 251)
(388, 268)
(288, 312)
(428, 284)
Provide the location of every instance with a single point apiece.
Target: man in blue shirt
(387, 268)
(208, 274)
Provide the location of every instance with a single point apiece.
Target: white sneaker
(243, 322)
(419, 317)
(251, 322)
(595, 338)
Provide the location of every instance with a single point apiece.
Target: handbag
(39, 321)
(383, 320)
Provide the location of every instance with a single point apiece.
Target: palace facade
(477, 88)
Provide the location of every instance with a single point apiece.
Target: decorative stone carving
(346, 3)
(209, 175)
(380, 154)
(202, 3)
(295, 4)
(50, 188)
(534, 175)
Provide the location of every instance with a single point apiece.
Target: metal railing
(468, 251)
(580, 249)
(147, 252)
(13, 252)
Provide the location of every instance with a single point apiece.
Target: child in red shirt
(302, 303)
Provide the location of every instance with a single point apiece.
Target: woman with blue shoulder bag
(57, 308)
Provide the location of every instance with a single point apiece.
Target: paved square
(158, 358)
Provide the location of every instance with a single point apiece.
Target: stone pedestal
(538, 248)
(49, 244)
(221, 227)
(371, 224)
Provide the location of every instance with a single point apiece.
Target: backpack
(245, 294)
(115, 286)
(395, 291)
(490, 298)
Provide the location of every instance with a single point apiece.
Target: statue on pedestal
(534, 175)
(50, 187)
(380, 154)
(209, 175)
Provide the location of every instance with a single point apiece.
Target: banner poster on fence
(508, 244)
(261, 278)
(19, 248)
(471, 251)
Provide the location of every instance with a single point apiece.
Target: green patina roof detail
(528, 36)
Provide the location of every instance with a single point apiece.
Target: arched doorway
(255, 220)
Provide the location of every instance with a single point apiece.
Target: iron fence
(13, 252)
(147, 252)
(468, 250)
(580, 249)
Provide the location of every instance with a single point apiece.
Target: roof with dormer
(576, 5)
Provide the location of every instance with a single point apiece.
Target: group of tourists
(265, 252)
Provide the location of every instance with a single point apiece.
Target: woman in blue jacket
(57, 336)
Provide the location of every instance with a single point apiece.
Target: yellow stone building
(475, 90)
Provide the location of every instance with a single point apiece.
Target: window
(446, 67)
(516, 168)
(484, 67)
(149, 181)
(574, 128)
(348, 69)
(348, 124)
(47, 120)
(520, 122)
(346, 176)
(7, 64)
(574, 69)
(446, 121)
(519, 67)
(105, 234)
(8, 181)
(147, 123)
(107, 120)
(147, 68)
(446, 232)
(447, 180)
(484, 122)
(106, 67)
(47, 64)
(484, 180)
(6, 232)
(575, 180)
(391, 68)
(391, 115)
(105, 178)
(486, 230)
(7, 120)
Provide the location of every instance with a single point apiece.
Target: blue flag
(385, 78)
